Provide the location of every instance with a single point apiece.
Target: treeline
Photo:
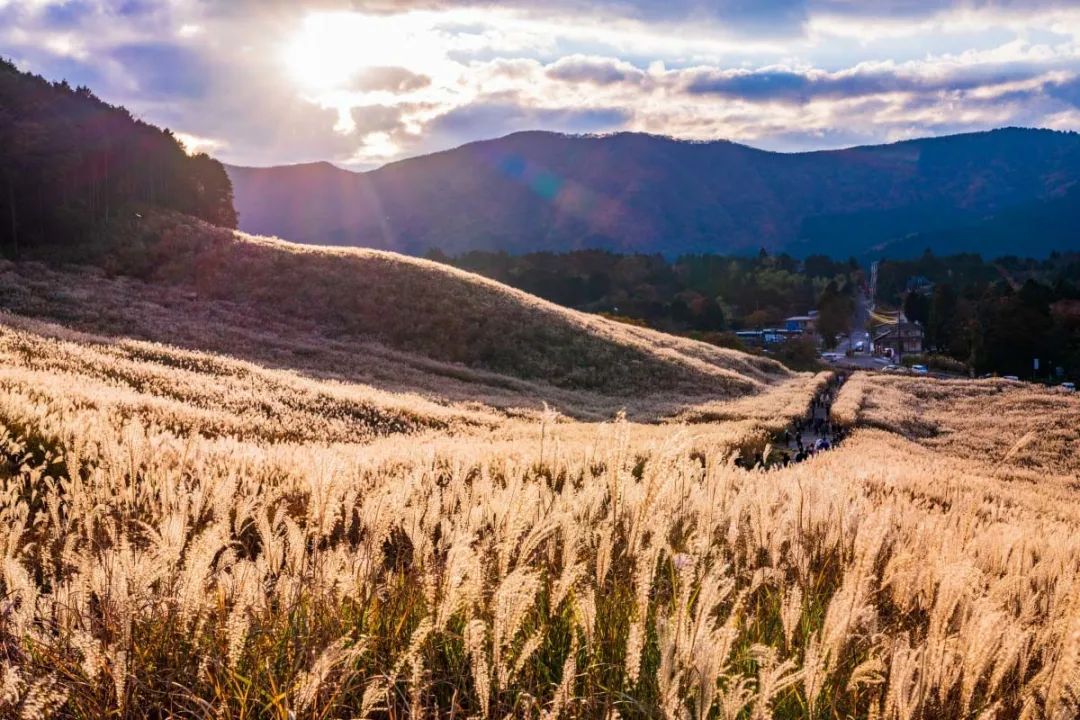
(997, 316)
(705, 293)
(69, 162)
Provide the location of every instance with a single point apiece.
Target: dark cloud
(598, 71)
(755, 17)
(377, 118)
(752, 85)
(67, 15)
(1067, 91)
(790, 86)
(771, 16)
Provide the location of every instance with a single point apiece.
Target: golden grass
(296, 325)
(189, 534)
(541, 569)
(1018, 429)
(428, 309)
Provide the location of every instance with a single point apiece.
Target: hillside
(1032, 229)
(640, 193)
(413, 317)
(70, 162)
(188, 530)
(1019, 430)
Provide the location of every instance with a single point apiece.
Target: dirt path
(811, 434)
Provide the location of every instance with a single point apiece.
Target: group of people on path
(816, 432)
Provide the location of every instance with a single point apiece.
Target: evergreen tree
(835, 310)
(69, 162)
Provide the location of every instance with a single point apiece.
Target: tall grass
(1020, 430)
(332, 524)
(549, 569)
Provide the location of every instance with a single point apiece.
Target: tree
(835, 310)
(942, 317)
(68, 161)
(712, 316)
(1014, 328)
(916, 307)
(9, 159)
(819, 266)
(214, 199)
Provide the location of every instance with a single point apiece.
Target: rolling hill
(397, 323)
(640, 193)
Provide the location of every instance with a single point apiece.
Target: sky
(266, 82)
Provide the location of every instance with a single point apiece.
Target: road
(860, 333)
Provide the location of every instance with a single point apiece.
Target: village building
(768, 336)
(899, 339)
(805, 324)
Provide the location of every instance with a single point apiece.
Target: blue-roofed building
(805, 324)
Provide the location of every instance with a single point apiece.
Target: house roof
(901, 329)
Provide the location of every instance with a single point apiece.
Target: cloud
(595, 70)
(164, 70)
(782, 74)
(502, 116)
(388, 79)
(1067, 91)
(802, 86)
(377, 118)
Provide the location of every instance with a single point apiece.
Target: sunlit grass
(190, 534)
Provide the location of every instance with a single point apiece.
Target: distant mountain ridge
(630, 192)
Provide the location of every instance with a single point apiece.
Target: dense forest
(69, 162)
(992, 316)
(998, 316)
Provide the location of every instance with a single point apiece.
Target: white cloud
(273, 82)
(195, 144)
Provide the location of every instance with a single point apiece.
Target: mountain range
(632, 192)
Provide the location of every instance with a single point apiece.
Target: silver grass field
(275, 533)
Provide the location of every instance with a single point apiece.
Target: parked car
(1068, 386)
(920, 369)
(1010, 377)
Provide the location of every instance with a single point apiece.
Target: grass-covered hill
(422, 308)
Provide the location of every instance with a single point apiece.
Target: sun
(331, 48)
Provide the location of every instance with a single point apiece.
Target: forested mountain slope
(641, 193)
(70, 162)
